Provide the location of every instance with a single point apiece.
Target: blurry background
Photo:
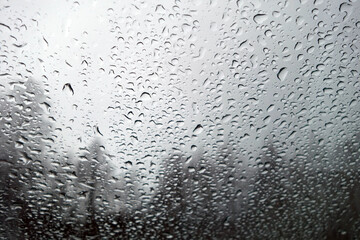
(179, 119)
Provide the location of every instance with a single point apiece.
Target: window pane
(177, 119)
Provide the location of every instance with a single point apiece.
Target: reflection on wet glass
(179, 119)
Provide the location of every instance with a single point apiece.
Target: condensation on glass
(180, 119)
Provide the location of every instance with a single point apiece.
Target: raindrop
(6, 26)
(283, 72)
(260, 18)
(145, 96)
(67, 87)
(198, 129)
(193, 148)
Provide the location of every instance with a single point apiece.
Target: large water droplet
(198, 129)
(283, 72)
(260, 18)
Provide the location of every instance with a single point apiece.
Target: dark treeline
(46, 195)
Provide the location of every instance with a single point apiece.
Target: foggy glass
(235, 119)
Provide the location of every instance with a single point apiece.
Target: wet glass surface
(180, 119)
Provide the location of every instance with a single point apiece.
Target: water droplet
(198, 129)
(145, 96)
(260, 18)
(67, 87)
(283, 72)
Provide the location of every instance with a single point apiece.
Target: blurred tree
(169, 202)
(24, 136)
(93, 185)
